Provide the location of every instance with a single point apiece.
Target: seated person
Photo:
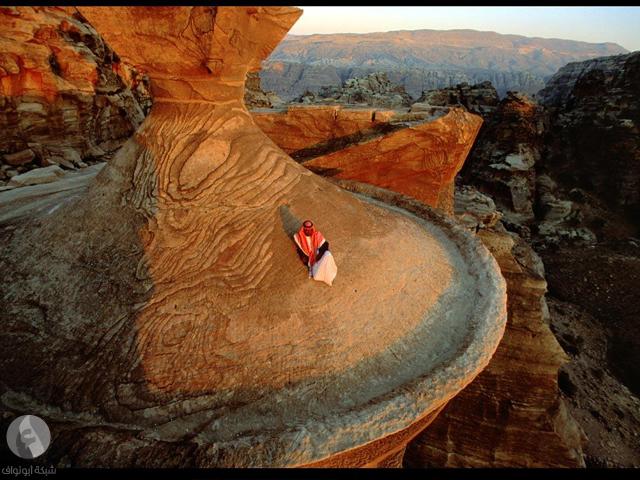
(314, 252)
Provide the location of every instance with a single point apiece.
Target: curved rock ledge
(404, 409)
(439, 358)
(162, 317)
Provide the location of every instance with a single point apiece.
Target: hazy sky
(620, 25)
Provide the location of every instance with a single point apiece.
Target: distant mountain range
(423, 59)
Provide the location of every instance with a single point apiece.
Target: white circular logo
(28, 436)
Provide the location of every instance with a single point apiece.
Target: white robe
(325, 269)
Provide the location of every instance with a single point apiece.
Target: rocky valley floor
(594, 305)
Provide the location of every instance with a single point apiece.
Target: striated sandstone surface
(64, 94)
(421, 160)
(301, 130)
(511, 415)
(179, 254)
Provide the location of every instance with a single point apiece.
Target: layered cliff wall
(593, 141)
(65, 98)
(512, 414)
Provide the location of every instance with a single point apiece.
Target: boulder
(473, 209)
(20, 158)
(37, 176)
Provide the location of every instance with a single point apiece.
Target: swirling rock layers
(174, 312)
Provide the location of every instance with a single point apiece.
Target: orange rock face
(60, 92)
(301, 128)
(21, 62)
(421, 160)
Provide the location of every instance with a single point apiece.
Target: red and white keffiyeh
(309, 249)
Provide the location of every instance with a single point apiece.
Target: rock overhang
(313, 421)
(169, 321)
(414, 377)
(415, 153)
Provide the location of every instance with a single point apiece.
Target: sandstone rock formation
(473, 209)
(481, 98)
(502, 163)
(593, 141)
(420, 161)
(540, 391)
(255, 97)
(302, 130)
(512, 414)
(589, 171)
(374, 90)
(64, 94)
(419, 158)
(162, 318)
